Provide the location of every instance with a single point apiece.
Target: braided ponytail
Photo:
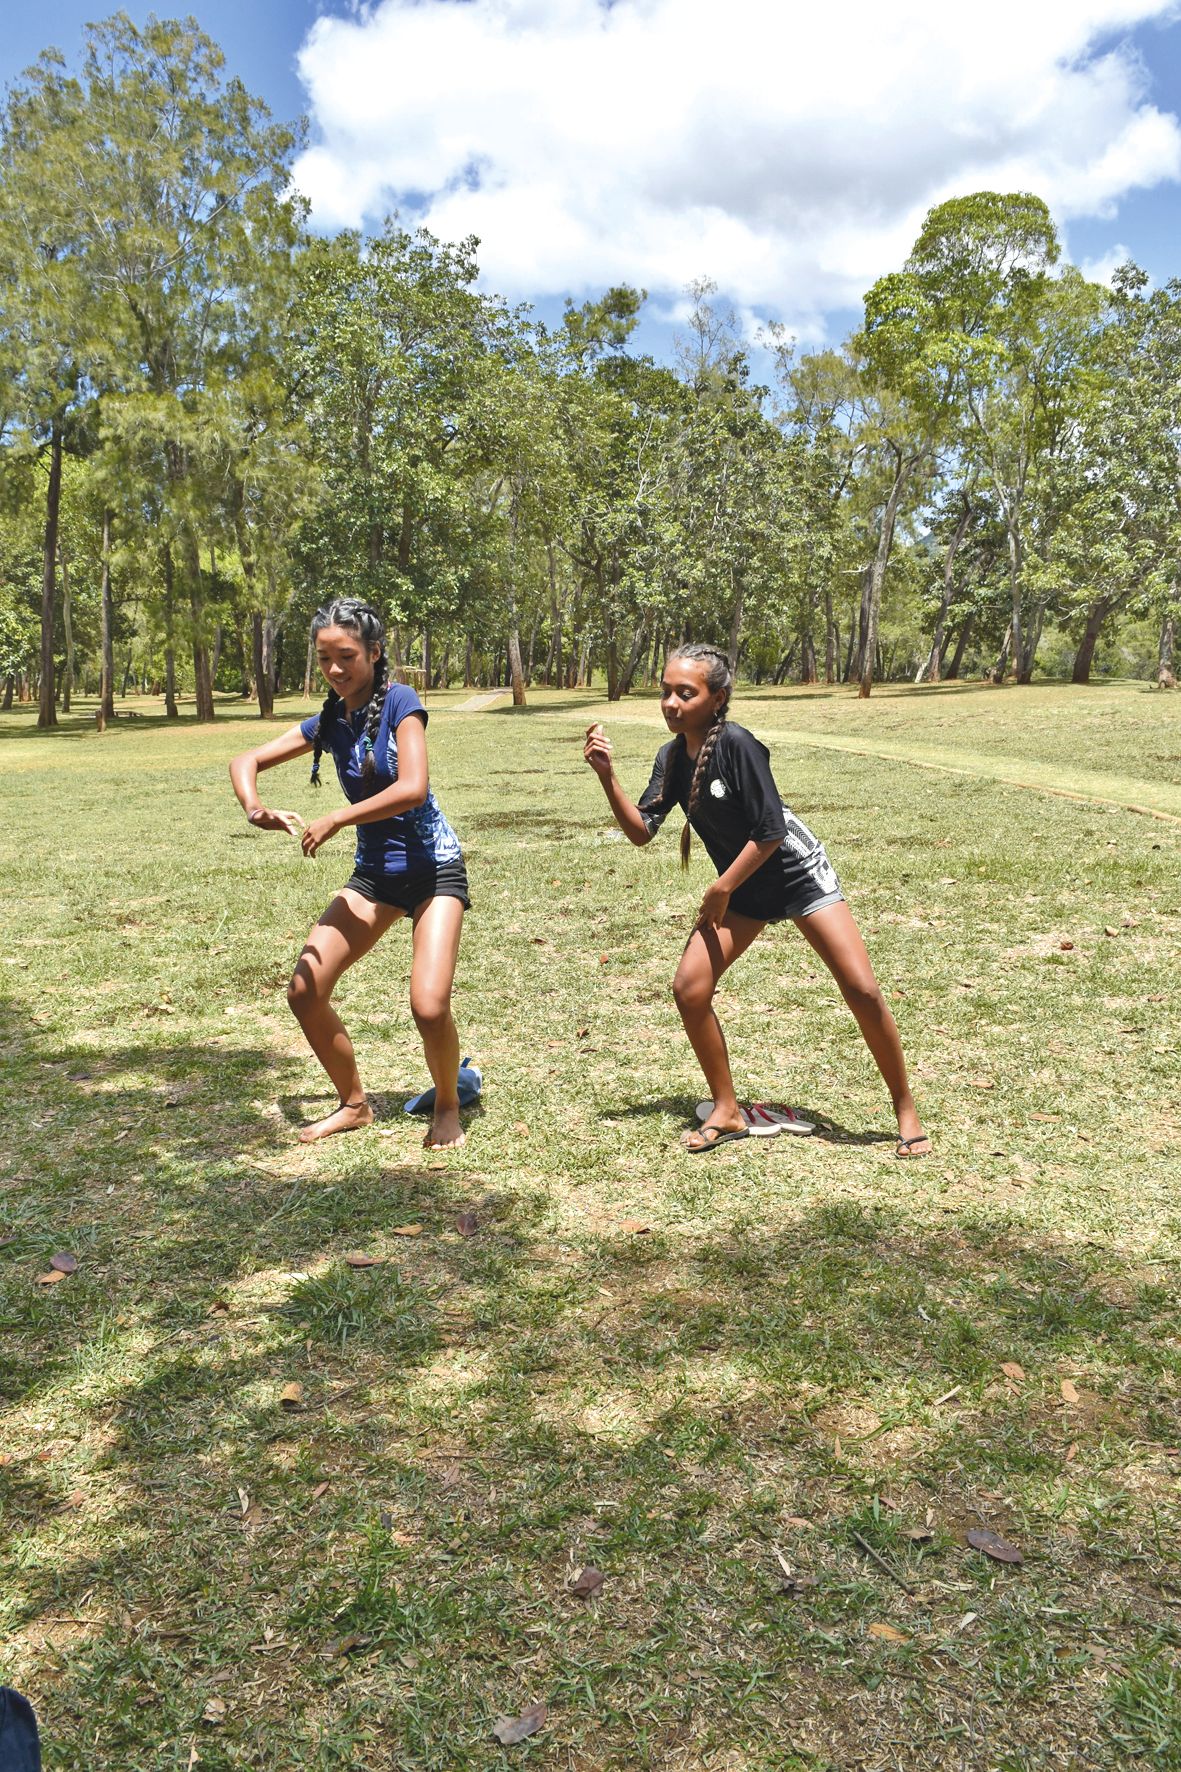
(373, 717)
(363, 620)
(716, 665)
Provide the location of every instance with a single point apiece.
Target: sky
(786, 151)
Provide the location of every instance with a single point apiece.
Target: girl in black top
(770, 867)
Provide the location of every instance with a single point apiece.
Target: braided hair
(718, 676)
(363, 620)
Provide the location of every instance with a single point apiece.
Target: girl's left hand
(714, 905)
(317, 833)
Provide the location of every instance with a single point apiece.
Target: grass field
(717, 1380)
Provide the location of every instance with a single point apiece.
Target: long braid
(363, 620)
(373, 717)
(717, 677)
(327, 716)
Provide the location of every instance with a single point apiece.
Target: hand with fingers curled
(318, 833)
(715, 903)
(598, 751)
(264, 819)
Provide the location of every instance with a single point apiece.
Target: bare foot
(446, 1133)
(349, 1116)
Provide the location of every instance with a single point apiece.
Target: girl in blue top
(408, 860)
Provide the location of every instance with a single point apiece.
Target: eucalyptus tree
(184, 179)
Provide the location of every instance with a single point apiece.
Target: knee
(431, 1011)
(692, 992)
(865, 999)
(301, 991)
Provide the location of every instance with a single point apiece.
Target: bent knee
(692, 992)
(431, 1012)
(302, 991)
(865, 999)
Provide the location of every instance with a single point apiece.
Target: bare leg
(350, 926)
(708, 953)
(438, 924)
(836, 938)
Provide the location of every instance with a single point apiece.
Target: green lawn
(798, 1355)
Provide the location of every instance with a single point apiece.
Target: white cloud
(788, 153)
(1102, 270)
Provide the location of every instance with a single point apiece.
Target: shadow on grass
(481, 1412)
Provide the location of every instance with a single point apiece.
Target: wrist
(253, 814)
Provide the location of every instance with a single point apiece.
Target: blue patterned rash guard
(420, 838)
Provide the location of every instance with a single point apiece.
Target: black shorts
(405, 892)
(794, 882)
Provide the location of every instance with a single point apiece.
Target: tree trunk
(849, 654)
(532, 649)
(47, 697)
(877, 576)
(1165, 679)
(516, 673)
(67, 685)
(262, 640)
(309, 666)
(832, 640)
(808, 672)
(633, 660)
(1013, 637)
(215, 660)
(106, 687)
(1096, 616)
(962, 642)
(170, 708)
(1002, 657)
(784, 665)
(1026, 654)
(202, 676)
(467, 661)
(931, 669)
(426, 658)
(735, 623)
(9, 686)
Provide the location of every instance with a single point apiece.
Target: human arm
(598, 753)
(715, 901)
(409, 791)
(244, 773)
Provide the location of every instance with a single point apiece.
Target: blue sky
(586, 145)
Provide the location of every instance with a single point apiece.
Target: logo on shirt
(717, 788)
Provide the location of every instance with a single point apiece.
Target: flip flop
(470, 1084)
(904, 1152)
(764, 1119)
(721, 1135)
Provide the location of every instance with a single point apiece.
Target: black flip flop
(904, 1144)
(722, 1135)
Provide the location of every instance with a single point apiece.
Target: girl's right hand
(263, 819)
(598, 751)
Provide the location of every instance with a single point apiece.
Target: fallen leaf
(509, 1730)
(588, 1582)
(1046, 1117)
(358, 1258)
(214, 1712)
(797, 1520)
(919, 1534)
(1066, 946)
(407, 1230)
(252, 1516)
(634, 1226)
(1069, 1391)
(521, 1128)
(795, 1585)
(320, 1489)
(1071, 1452)
(887, 1633)
(1110, 931)
(982, 1082)
(581, 1033)
(75, 1499)
(344, 1645)
(219, 1308)
(51, 1278)
(1011, 1369)
(194, 1756)
(291, 1397)
(982, 1538)
(467, 1224)
(5, 1458)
